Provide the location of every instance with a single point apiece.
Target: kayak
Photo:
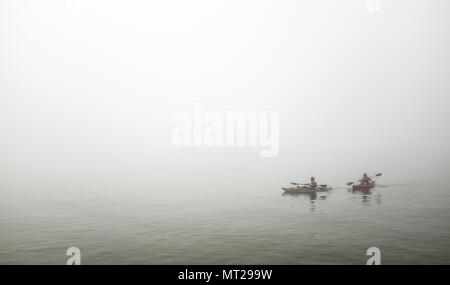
(364, 187)
(304, 189)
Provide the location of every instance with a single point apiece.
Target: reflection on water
(367, 196)
(311, 196)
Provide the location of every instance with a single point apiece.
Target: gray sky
(87, 90)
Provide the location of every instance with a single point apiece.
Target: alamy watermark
(75, 256)
(254, 128)
(375, 256)
(373, 5)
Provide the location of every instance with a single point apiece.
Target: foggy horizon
(88, 90)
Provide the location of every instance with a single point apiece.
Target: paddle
(376, 175)
(298, 184)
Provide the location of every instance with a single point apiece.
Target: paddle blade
(293, 183)
(350, 183)
(379, 174)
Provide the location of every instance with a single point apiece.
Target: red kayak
(364, 187)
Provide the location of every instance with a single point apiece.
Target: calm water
(249, 223)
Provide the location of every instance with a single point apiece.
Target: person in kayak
(312, 183)
(366, 180)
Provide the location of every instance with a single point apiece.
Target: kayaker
(312, 183)
(366, 180)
